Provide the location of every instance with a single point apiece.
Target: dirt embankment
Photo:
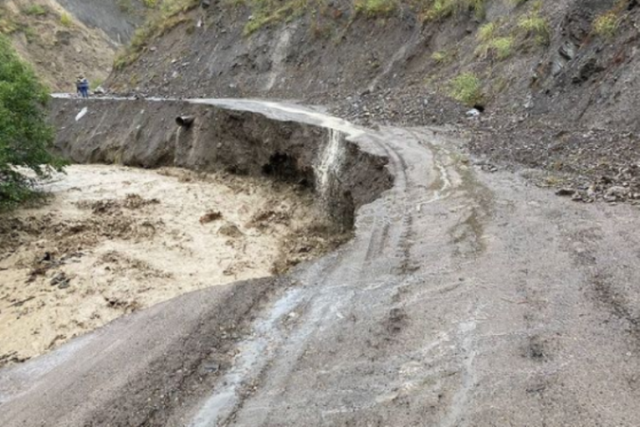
(556, 79)
(539, 58)
(145, 134)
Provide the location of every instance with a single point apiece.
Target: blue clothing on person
(82, 85)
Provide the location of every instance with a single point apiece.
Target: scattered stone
(568, 50)
(61, 281)
(210, 217)
(230, 230)
(565, 192)
(616, 193)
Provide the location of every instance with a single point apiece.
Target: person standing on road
(82, 85)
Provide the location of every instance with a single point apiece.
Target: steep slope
(557, 78)
(523, 53)
(65, 38)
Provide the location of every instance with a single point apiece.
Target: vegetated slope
(542, 56)
(62, 39)
(539, 66)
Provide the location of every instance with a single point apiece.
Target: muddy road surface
(464, 299)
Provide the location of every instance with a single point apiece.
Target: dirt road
(465, 299)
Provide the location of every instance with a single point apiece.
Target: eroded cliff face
(240, 138)
(537, 58)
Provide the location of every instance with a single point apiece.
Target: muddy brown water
(113, 240)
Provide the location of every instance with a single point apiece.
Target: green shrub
(442, 57)
(35, 10)
(537, 26)
(7, 25)
(502, 46)
(606, 25)
(25, 136)
(441, 9)
(466, 88)
(376, 8)
(487, 31)
(66, 20)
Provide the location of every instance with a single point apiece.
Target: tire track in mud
(384, 236)
(466, 232)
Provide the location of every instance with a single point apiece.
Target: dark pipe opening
(185, 121)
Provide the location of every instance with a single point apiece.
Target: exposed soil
(567, 106)
(113, 240)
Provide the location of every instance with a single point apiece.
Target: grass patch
(66, 20)
(442, 57)
(376, 8)
(502, 47)
(467, 89)
(536, 26)
(606, 25)
(487, 32)
(7, 25)
(268, 12)
(441, 9)
(35, 10)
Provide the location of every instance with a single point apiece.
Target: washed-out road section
(464, 299)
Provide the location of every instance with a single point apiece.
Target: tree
(25, 136)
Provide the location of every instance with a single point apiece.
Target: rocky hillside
(64, 38)
(523, 56)
(556, 80)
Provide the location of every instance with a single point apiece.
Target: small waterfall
(178, 136)
(330, 161)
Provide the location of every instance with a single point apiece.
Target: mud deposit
(113, 240)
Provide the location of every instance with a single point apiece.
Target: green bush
(376, 8)
(441, 9)
(66, 20)
(443, 57)
(606, 25)
(25, 136)
(487, 31)
(35, 10)
(466, 88)
(535, 25)
(502, 47)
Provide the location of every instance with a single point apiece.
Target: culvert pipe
(185, 121)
